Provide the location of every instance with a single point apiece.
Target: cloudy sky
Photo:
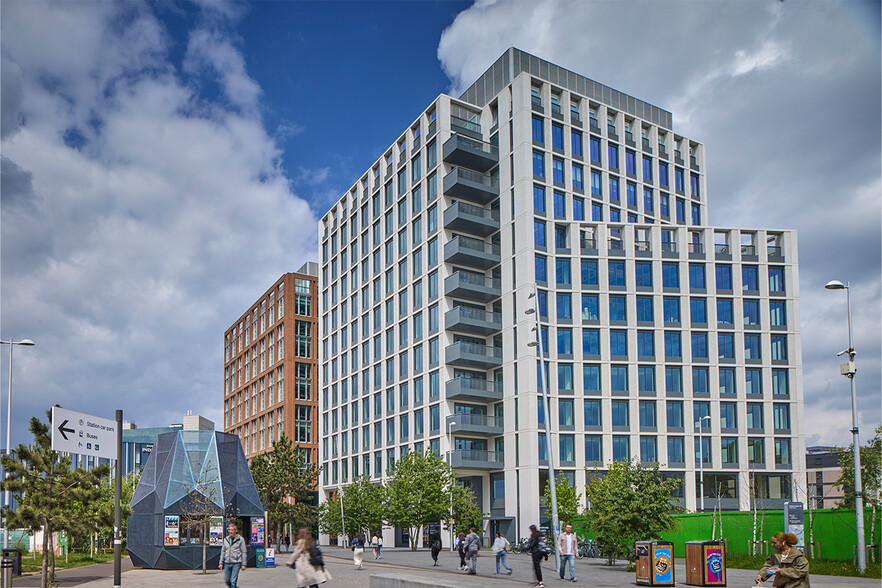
(160, 160)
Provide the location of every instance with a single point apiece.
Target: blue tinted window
(751, 312)
(618, 376)
(671, 307)
(670, 275)
(616, 273)
(613, 156)
(591, 377)
(700, 379)
(672, 344)
(590, 307)
(538, 164)
(632, 194)
(696, 276)
(577, 143)
(647, 169)
(724, 311)
(614, 189)
(539, 237)
(644, 309)
(616, 308)
(596, 212)
(557, 136)
(541, 269)
(618, 343)
(752, 348)
(591, 342)
(578, 209)
(565, 341)
(538, 198)
(595, 150)
(593, 448)
(699, 345)
(726, 345)
(776, 278)
(562, 271)
(630, 162)
(538, 132)
(645, 344)
(643, 274)
(663, 173)
(724, 277)
(564, 306)
(557, 168)
(578, 183)
(589, 272)
(750, 278)
(698, 310)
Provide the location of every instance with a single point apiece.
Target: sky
(160, 161)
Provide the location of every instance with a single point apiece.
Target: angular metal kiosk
(184, 464)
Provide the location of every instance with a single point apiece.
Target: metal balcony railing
(748, 250)
(721, 249)
(643, 246)
(588, 243)
(696, 248)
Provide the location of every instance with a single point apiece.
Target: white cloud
(786, 99)
(127, 253)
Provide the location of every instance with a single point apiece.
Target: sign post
(794, 521)
(117, 509)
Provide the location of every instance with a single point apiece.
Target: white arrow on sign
(83, 434)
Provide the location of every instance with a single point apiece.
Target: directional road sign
(84, 434)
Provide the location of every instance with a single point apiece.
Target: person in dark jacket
(460, 548)
(435, 545)
(233, 555)
(287, 542)
(786, 563)
(538, 553)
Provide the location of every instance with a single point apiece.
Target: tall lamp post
(540, 352)
(848, 370)
(700, 425)
(12, 343)
(452, 482)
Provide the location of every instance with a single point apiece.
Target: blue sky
(161, 160)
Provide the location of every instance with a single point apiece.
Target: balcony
(474, 355)
(696, 251)
(476, 459)
(471, 320)
(595, 128)
(473, 390)
(669, 249)
(616, 246)
(642, 249)
(471, 128)
(693, 163)
(470, 153)
(776, 253)
(472, 286)
(471, 219)
(629, 139)
(469, 185)
(611, 133)
(474, 424)
(588, 246)
(677, 158)
(647, 148)
(722, 251)
(471, 252)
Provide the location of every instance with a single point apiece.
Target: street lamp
(700, 425)
(847, 369)
(450, 424)
(12, 343)
(540, 352)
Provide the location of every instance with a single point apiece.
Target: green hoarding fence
(833, 529)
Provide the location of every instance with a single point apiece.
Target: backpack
(543, 547)
(315, 556)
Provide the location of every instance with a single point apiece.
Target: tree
(49, 494)
(466, 513)
(204, 500)
(98, 518)
(630, 503)
(567, 500)
(285, 481)
(871, 476)
(363, 509)
(417, 492)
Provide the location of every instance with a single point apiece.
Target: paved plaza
(401, 562)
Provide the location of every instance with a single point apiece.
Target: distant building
(270, 366)
(822, 471)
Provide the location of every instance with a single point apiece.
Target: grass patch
(822, 567)
(31, 564)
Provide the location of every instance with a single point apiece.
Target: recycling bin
(655, 563)
(705, 563)
(15, 554)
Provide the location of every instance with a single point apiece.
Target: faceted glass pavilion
(188, 468)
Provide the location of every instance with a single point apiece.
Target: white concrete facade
(425, 278)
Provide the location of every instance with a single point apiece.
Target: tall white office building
(538, 179)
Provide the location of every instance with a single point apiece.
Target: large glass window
(539, 164)
(591, 342)
(674, 414)
(776, 279)
(620, 416)
(621, 448)
(670, 275)
(538, 130)
(616, 273)
(698, 310)
(590, 307)
(750, 278)
(557, 136)
(696, 276)
(592, 413)
(643, 274)
(618, 343)
(593, 448)
(562, 272)
(671, 307)
(724, 277)
(617, 308)
(618, 375)
(644, 309)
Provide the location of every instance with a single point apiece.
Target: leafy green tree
(285, 482)
(466, 513)
(363, 508)
(567, 500)
(417, 494)
(49, 494)
(630, 503)
(98, 518)
(871, 476)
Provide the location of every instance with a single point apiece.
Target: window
(698, 310)
(596, 212)
(694, 186)
(565, 416)
(700, 380)
(647, 168)
(753, 382)
(729, 450)
(593, 448)
(557, 136)
(672, 344)
(564, 307)
(562, 272)
(538, 198)
(567, 448)
(612, 154)
(616, 273)
(621, 448)
(630, 162)
(782, 451)
(663, 173)
(664, 205)
(539, 164)
(557, 169)
(754, 415)
(617, 308)
(618, 375)
(576, 143)
(752, 349)
(648, 449)
(559, 205)
(724, 277)
(671, 308)
(538, 130)
(676, 450)
(591, 377)
(541, 270)
(779, 347)
(780, 383)
(749, 278)
(302, 339)
(643, 274)
(781, 416)
(596, 183)
(595, 150)
(646, 378)
(724, 311)
(618, 343)
(696, 276)
(539, 237)
(728, 418)
(756, 450)
(777, 313)
(673, 379)
(578, 209)
(564, 341)
(670, 275)
(644, 309)
(590, 307)
(674, 414)
(679, 180)
(645, 344)
(620, 413)
(776, 279)
(613, 189)
(560, 236)
(726, 345)
(631, 189)
(577, 178)
(647, 413)
(680, 206)
(699, 345)
(592, 413)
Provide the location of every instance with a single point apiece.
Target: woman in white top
(500, 546)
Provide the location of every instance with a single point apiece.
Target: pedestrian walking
(787, 564)
(460, 549)
(379, 544)
(538, 552)
(287, 542)
(500, 547)
(233, 555)
(472, 542)
(435, 545)
(569, 549)
(307, 561)
(374, 544)
(358, 550)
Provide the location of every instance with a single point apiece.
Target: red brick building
(271, 368)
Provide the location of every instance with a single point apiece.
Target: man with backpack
(472, 542)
